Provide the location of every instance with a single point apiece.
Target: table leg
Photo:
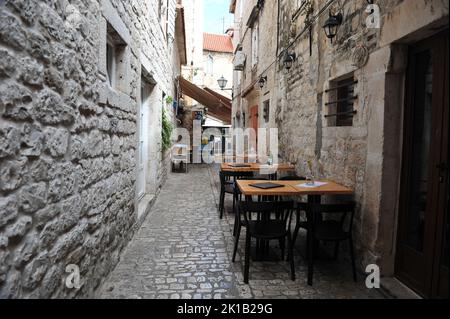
(312, 199)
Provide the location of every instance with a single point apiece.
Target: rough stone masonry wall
(305, 134)
(67, 142)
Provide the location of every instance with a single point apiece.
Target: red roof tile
(217, 43)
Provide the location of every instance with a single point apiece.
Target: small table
(292, 188)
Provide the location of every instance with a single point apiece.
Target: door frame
(432, 247)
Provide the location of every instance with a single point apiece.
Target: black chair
(238, 197)
(335, 229)
(265, 221)
(228, 186)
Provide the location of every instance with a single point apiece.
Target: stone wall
(353, 155)
(68, 141)
(366, 155)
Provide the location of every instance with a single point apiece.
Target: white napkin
(316, 184)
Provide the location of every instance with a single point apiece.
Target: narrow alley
(183, 250)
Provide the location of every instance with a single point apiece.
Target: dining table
(313, 191)
(263, 169)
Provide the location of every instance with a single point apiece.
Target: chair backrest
(342, 211)
(266, 211)
(236, 175)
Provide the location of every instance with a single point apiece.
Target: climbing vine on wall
(166, 133)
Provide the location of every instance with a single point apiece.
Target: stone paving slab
(183, 250)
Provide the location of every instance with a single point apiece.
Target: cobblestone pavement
(184, 251)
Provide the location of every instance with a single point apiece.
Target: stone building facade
(364, 152)
(218, 61)
(70, 88)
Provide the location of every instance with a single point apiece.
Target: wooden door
(422, 244)
(254, 123)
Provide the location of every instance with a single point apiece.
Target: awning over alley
(218, 106)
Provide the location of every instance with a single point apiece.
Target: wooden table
(257, 167)
(291, 188)
(247, 190)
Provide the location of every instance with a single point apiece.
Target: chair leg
(221, 202)
(291, 255)
(282, 247)
(236, 242)
(310, 250)
(352, 255)
(336, 250)
(247, 257)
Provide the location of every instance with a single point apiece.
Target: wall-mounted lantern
(262, 82)
(289, 59)
(332, 24)
(222, 82)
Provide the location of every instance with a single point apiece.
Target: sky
(215, 11)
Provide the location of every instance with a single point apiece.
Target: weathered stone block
(33, 197)
(64, 181)
(52, 280)
(34, 272)
(11, 174)
(67, 243)
(56, 141)
(71, 93)
(54, 79)
(27, 9)
(11, 31)
(26, 250)
(32, 140)
(52, 22)
(39, 170)
(31, 72)
(19, 228)
(9, 141)
(70, 213)
(11, 289)
(7, 64)
(4, 266)
(39, 47)
(8, 209)
(50, 108)
(15, 100)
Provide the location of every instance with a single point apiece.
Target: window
(266, 110)
(110, 62)
(255, 31)
(209, 64)
(163, 12)
(341, 101)
(116, 60)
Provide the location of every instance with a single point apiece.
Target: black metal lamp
(262, 81)
(222, 82)
(289, 59)
(332, 24)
